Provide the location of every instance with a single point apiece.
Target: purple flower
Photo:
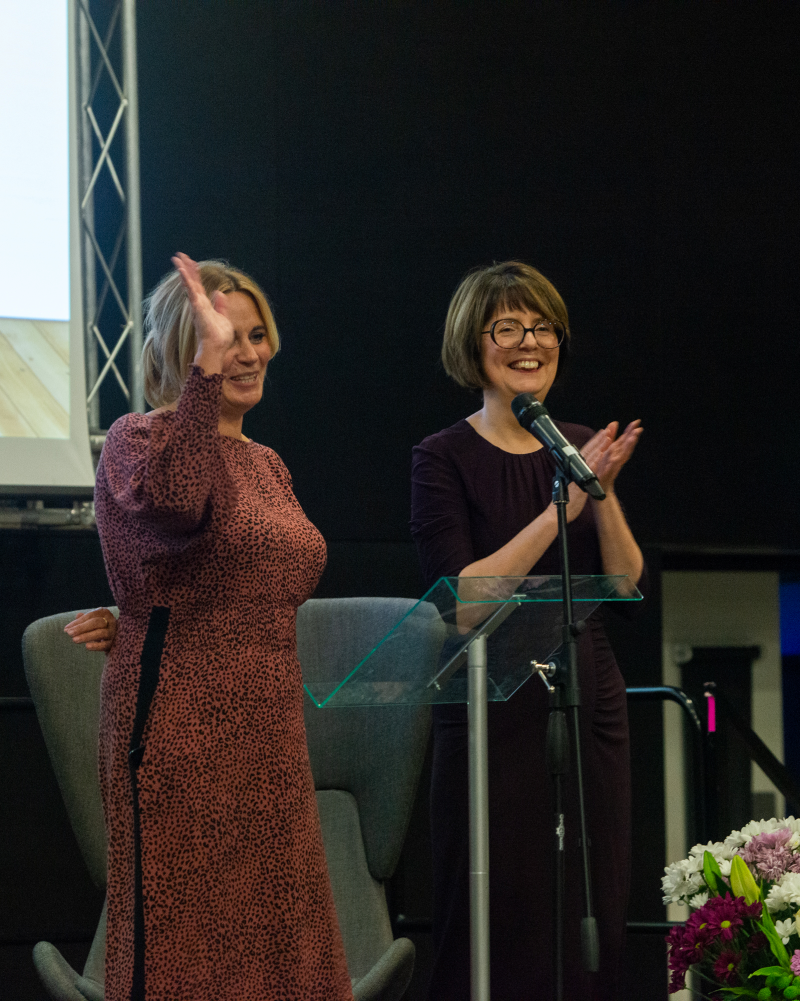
(795, 963)
(680, 957)
(769, 839)
(719, 918)
(727, 966)
(757, 941)
(769, 855)
(725, 915)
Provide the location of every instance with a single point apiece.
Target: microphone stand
(565, 699)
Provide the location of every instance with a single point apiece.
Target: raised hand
(215, 333)
(96, 629)
(607, 454)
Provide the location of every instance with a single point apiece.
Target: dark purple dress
(468, 499)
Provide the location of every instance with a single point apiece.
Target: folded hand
(96, 629)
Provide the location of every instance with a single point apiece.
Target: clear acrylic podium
(468, 640)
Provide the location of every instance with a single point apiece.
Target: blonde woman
(217, 883)
(481, 507)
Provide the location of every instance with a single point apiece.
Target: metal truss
(110, 210)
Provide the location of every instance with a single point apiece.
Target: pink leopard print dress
(217, 883)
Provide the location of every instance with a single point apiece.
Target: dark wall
(359, 157)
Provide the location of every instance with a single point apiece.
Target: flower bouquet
(743, 935)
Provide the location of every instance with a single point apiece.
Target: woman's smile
(528, 368)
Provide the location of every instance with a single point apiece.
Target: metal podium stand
(468, 640)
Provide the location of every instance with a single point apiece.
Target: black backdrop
(358, 157)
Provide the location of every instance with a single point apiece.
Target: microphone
(534, 418)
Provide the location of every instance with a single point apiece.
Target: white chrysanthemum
(785, 929)
(702, 849)
(722, 855)
(694, 863)
(681, 882)
(673, 881)
(717, 848)
(736, 839)
(698, 900)
(785, 893)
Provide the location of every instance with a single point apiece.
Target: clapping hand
(96, 629)
(606, 453)
(215, 333)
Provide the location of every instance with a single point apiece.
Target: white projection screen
(44, 438)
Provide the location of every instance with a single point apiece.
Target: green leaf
(742, 882)
(776, 945)
(765, 971)
(712, 874)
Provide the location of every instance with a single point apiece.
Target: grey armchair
(366, 764)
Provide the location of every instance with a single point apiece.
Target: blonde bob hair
(511, 285)
(170, 342)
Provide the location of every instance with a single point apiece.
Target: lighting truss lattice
(109, 207)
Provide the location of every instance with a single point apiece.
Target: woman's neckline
(505, 451)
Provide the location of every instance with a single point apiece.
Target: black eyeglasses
(509, 334)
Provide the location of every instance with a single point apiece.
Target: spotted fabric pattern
(236, 896)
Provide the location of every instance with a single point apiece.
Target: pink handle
(711, 703)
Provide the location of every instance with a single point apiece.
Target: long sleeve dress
(217, 882)
(469, 498)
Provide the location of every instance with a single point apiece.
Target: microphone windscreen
(526, 408)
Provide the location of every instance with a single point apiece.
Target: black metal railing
(697, 821)
(696, 817)
(720, 709)
(11, 702)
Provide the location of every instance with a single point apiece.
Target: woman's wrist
(608, 491)
(609, 507)
(208, 361)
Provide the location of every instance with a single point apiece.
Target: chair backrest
(365, 761)
(373, 752)
(64, 681)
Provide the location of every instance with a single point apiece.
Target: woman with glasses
(481, 507)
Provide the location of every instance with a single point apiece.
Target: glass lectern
(438, 652)
(441, 627)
